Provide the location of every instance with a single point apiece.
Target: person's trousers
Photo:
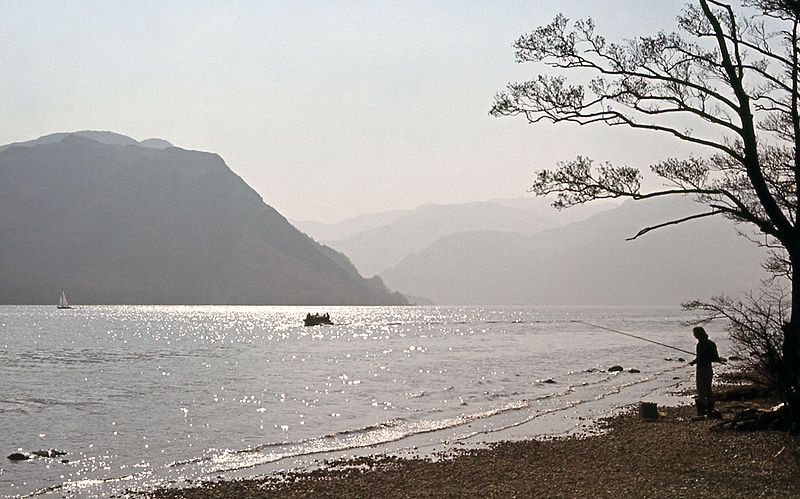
(705, 400)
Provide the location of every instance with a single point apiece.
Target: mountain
(112, 220)
(543, 206)
(539, 207)
(379, 241)
(377, 249)
(155, 144)
(588, 262)
(103, 137)
(324, 231)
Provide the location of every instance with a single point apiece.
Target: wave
(385, 432)
(394, 430)
(229, 460)
(219, 461)
(368, 436)
(616, 389)
(78, 485)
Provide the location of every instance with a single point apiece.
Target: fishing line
(633, 336)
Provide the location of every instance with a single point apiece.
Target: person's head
(700, 333)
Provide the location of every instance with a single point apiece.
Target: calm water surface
(141, 396)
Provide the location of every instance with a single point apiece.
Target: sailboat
(62, 301)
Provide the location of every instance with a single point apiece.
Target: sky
(328, 109)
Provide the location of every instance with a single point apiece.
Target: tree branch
(673, 222)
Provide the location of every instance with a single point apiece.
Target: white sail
(62, 301)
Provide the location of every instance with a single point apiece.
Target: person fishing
(706, 355)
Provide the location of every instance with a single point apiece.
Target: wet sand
(671, 457)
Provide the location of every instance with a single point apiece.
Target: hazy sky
(328, 109)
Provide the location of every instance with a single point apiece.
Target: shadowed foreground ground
(673, 457)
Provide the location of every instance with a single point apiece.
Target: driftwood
(776, 419)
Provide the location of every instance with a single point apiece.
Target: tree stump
(648, 411)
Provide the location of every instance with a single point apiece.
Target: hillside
(587, 262)
(331, 231)
(103, 137)
(112, 220)
(378, 241)
(377, 249)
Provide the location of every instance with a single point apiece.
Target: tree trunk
(791, 342)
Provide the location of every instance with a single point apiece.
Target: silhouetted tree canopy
(727, 81)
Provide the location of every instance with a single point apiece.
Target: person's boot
(701, 408)
(711, 413)
(701, 411)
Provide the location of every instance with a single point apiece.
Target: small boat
(317, 320)
(62, 301)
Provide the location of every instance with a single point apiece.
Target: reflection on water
(153, 392)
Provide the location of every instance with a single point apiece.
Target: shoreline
(671, 457)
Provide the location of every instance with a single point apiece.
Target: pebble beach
(674, 456)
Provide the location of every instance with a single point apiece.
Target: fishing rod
(633, 336)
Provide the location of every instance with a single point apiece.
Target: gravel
(671, 457)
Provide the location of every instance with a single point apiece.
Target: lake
(146, 396)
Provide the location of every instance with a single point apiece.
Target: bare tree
(754, 324)
(732, 76)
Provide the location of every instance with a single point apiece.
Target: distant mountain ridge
(103, 137)
(380, 241)
(114, 220)
(588, 262)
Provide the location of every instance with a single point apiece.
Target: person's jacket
(706, 353)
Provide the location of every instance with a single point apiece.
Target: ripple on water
(130, 392)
